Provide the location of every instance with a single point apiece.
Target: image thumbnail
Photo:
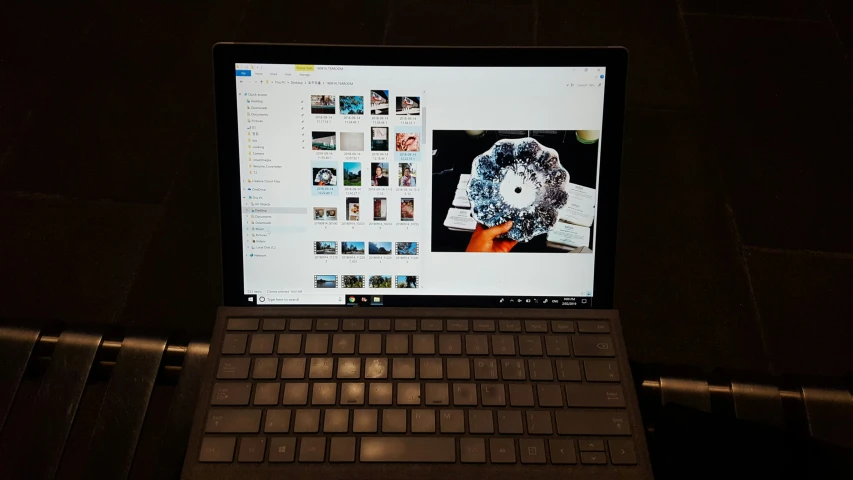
(380, 209)
(325, 214)
(379, 174)
(408, 105)
(325, 248)
(352, 141)
(379, 248)
(407, 209)
(323, 141)
(380, 281)
(407, 281)
(352, 105)
(323, 104)
(408, 142)
(407, 174)
(352, 174)
(407, 248)
(352, 281)
(379, 102)
(325, 281)
(379, 139)
(353, 209)
(352, 248)
(325, 176)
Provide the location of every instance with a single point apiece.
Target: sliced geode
(519, 180)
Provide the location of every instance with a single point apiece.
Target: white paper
(568, 234)
(463, 181)
(580, 209)
(460, 199)
(458, 219)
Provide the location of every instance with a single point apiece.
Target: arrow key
(622, 452)
(593, 458)
(562, 452)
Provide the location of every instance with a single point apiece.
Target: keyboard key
(380, 394)
(458, 369)
(509, 422)
(450, 345)
(227, 420)
(394, 420)
(406, 325)
(622, 452)
(480, 421)
(536, 326)
(376, 368)
(327, 324)
(289, 344)
(282, 449)
(532, 450)
(295, 394)
(540, 369)
(353, 325)
(342, 450)
(423, 420)
(484, 325)
(593, 326)
(234, 343)
(349, 368)
(511, 326)
(452, 421)
(312, 449)
(485, 369)
(503, 345)
(352, 394)
(265, 368)
(432, 325)
(562, 452)
(457, 325)
(513, 369)
(217, 449)
(502, 450)
(569, 370)
(293, 368)
(316, 343)
(336, 420)
(266, 393)
(464, 394)
(408, 449)
(492, 395)
(476, 345)
(403, 368)
(557, 346)
(521, 395)
(431, 368)
(550, 395)
(593, 346)
(277, 421)
(300, 324)
(324, 393)
(539, 422)
(408, 394)
(364, 421)
(242, 324)
(562, 326)
(252, 449)
(233, 368)
(262, 344)
(593, 458)
(379, 324)
(275, 324)
(592, 422)
(591, 445)
(423, 344)
(530, 345)
(436, 394)
(370, 344)
(472, 450)
(396, 344)
(321, 368)
(601, 370)
(307, 421)
(231, 394)
(595, 395)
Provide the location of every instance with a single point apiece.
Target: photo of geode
(497, 176)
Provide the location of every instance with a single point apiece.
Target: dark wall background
(735, 249)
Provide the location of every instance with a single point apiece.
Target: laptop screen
(409, 186)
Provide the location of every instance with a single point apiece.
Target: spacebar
(408, 449)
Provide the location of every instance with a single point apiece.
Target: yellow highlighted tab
(305, 68)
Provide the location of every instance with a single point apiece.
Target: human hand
(485, 239)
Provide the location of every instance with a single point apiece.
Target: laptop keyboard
(311, 390)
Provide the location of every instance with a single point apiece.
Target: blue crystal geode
(519, 180)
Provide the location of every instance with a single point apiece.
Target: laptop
(418, 252)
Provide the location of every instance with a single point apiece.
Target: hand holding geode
(519, 180)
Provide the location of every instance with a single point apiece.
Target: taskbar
(421, 301)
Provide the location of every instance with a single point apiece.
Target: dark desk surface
(736, 239)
